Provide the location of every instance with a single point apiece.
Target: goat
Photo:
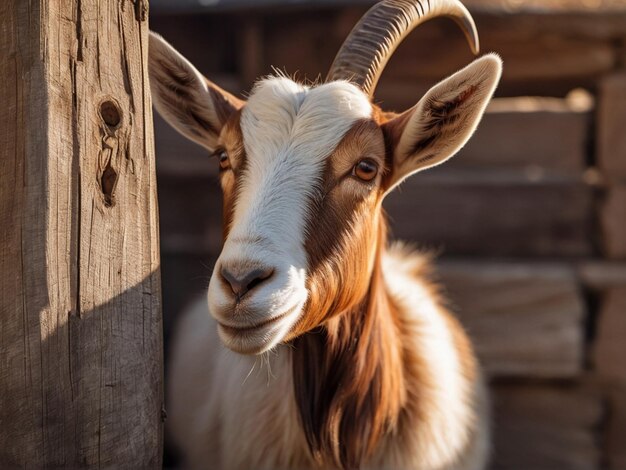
(366, 368)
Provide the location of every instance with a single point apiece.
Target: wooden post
(80, 313)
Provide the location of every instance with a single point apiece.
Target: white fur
(449, 433)
(288, 131)
(229, 411)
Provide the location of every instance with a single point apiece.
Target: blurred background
(528, 221)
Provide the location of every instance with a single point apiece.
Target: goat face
(302, 189)
(304, 171)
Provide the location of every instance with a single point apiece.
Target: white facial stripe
(288, 132)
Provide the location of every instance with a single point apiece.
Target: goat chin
(231, 411)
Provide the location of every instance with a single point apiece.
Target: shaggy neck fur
(349, 376)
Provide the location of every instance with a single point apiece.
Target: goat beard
(348, 380)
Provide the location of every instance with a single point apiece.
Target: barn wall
(529, 221)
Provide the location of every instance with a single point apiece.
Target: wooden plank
(80, 315)
(610, 347)
(597, 23)
(541, 427)
(609, 350)
(613, 220)
(502, 218)
(611, 139)
(602, 275)
(616, 427)
(535, 136)
(525, 319)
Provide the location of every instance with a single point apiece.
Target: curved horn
(370, 44)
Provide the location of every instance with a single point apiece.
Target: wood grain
(80, 314)
(611, 139)
(609, 351)
(616, 427)
(492, 217)
(546, 427)
(539, 138)
(524, 318)
(613, 220)
(610, 346)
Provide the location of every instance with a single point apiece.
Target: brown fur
(349, 377)
(231, 140)
(355, 373)
(383, 376)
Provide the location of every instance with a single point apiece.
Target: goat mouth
(242, 330)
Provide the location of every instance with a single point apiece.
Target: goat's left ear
(442, 122)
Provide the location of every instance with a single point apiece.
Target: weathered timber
(538, 137)
(80, 313)
(613, 220)
(611, 138)
(524, 319)
(616, 426)
(541, 427)
(610, 345)
(602, 275)
(609, 351)
(593, 24)
(534, 136)
(459, 216)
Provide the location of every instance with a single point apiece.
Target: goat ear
(442, 122)
(194, 106)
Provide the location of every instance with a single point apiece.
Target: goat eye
(222, 156)
(365, 169)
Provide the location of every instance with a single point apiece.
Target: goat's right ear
(193, 105)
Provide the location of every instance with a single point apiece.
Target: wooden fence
(529, 220)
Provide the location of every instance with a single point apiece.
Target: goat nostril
(257, 276)
(242, 283)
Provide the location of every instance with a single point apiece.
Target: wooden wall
(529, 221)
